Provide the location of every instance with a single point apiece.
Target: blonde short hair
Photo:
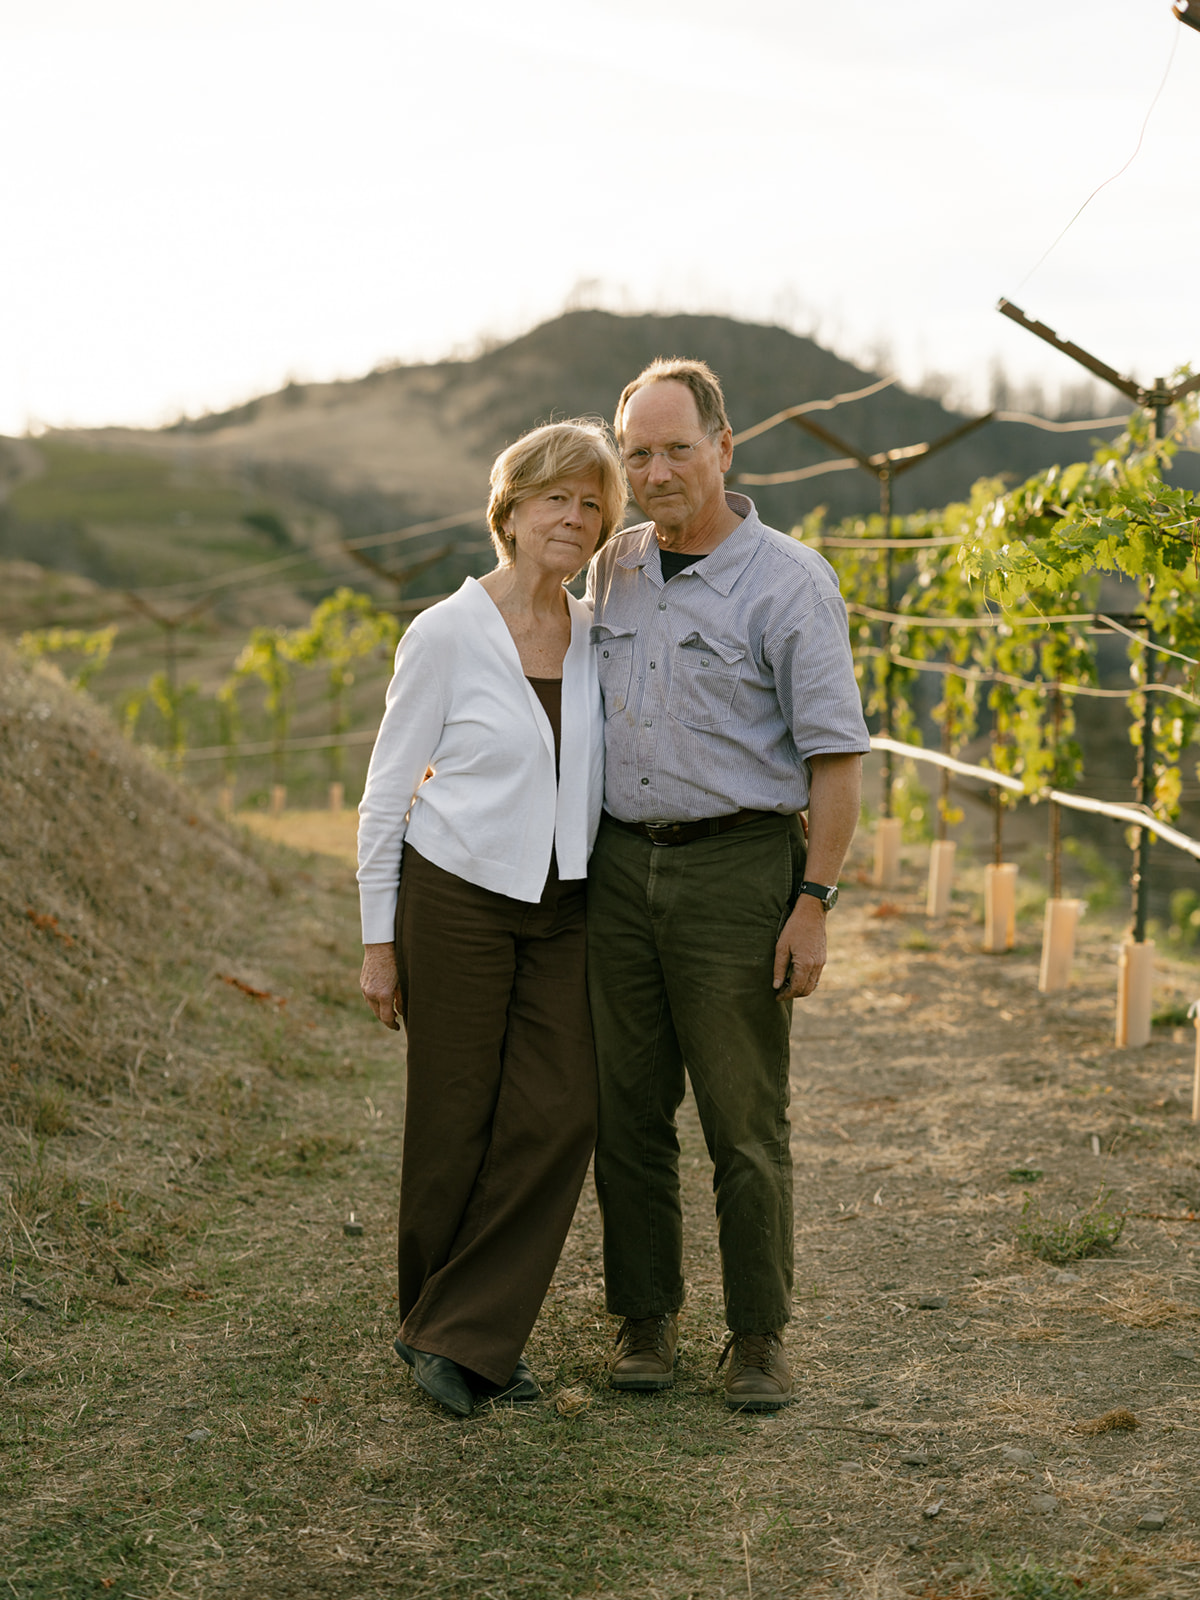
(697, 376)
(547, 455)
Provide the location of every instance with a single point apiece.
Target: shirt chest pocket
(614, 663)
(704, 680)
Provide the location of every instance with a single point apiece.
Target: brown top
(549, 692)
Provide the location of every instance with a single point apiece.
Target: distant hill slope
(411, 442)
(129, 515)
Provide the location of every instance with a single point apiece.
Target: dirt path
(231, 1420)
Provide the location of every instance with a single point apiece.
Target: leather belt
(672, 833)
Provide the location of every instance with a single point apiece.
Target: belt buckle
(653, 828)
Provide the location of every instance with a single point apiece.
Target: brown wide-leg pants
(500, 1116)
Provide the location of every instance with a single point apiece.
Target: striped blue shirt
(721, 684)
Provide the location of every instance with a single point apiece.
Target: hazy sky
(200, 198)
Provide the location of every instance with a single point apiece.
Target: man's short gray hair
(697, 376)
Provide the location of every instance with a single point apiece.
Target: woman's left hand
(380, 982)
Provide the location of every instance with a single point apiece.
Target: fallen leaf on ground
(248, 988)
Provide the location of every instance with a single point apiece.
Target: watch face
(831, 898)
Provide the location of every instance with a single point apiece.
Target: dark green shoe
(440, 1378)
(521, 1389)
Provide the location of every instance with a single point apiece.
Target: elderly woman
(479, 814)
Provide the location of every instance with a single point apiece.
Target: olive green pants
(681, 945)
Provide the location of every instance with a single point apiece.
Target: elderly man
(730, 707)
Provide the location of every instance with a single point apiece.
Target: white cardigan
(491, 813)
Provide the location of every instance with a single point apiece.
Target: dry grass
(321, 832)
(1118, 1421)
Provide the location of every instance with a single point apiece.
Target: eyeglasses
(676, 454)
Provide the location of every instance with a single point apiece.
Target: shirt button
(647, 723)
(703, 661)
(606, 655)
(653, 664)
(645, 781)
(662, 605)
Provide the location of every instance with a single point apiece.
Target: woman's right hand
(380, 982)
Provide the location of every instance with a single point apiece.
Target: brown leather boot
(645, 1353)
(759, 1377)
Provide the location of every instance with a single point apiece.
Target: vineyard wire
(1058, 427)
(234, 575)
(440, 525)
(766, 480)
(395, 607)
(966, 769)
(806, 406)
(1132, 814)
(974, 675)
(220, 580)
(836, 541)
(264, 747)
(983, 621)
(1161, 649)
(908, 620)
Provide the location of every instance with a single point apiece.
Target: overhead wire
(1121, 170)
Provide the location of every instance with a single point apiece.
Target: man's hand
(834, 794)
(800, 952)
(380, 982)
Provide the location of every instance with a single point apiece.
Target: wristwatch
(827, 894)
